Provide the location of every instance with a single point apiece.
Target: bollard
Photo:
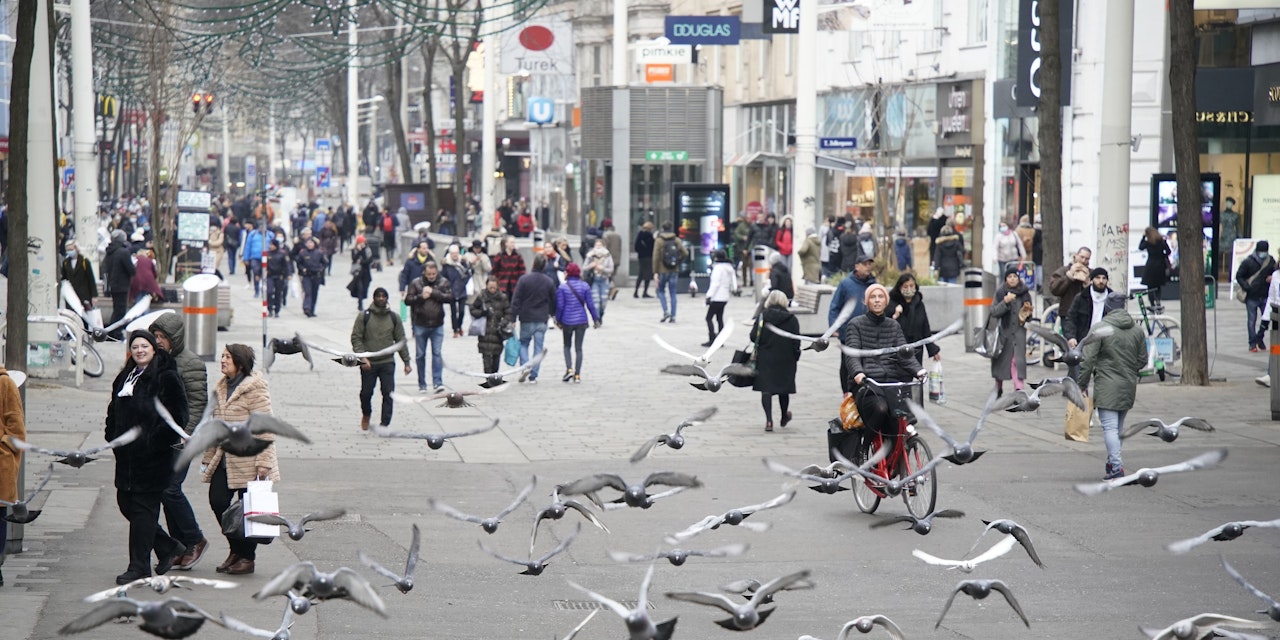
(976, 307)
(201, 313)
(760, 263)
(539, 239)
(1273, 362)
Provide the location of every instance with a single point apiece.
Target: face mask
(1004, 229)
(908, 293)
(71, 255)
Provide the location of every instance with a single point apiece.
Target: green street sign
(666, 156)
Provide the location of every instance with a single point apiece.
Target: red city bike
(906, 469)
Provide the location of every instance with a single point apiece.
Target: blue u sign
(541, 110)
(703, 29)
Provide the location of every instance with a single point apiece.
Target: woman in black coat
(362, 259)
(644, 253)
(145, 466)
(780, 275)
(493, 306)
(1156, 273)
(906, 305)
(776, 357)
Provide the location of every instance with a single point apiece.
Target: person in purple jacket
(573, 304)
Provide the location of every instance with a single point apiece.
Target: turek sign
(703, 29)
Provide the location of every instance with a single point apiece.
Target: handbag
(747, 356)
(1242, 292)
(232, 519)
(355, 268)
(990, 342)
(511, 351)
(478, 326)
(259, 499)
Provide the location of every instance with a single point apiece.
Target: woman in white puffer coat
(724, 281)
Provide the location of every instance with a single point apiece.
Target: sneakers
(577, 379)
(1264, 380)
(524, 376)
(440, 388)
(192, 556)
(1113, 472)
(568, 375)
(1253, 348)
(166, 563)
(423, 389)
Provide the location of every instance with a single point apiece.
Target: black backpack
(670, 253)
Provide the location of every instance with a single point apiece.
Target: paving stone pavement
(1107, 570)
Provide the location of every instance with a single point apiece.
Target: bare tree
(1186, 160)
(430, 49)
(15, 348)
(463, 19)
(394, 70)
(1050, 134)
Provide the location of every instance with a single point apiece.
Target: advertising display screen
(1165, 212)
(702, 222)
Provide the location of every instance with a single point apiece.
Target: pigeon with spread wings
(498, 378)
(673, 440)
(535, 566)
(704, 359)
(1166, 432)
(823, 341)
(1273, 607)
(297, 530)
(1221, 533)
(282, 347)
(921, 526)
(908, 348)
(171, 618)
(160, 584)
(980, 589)
(710, 382)
(998, 549)
(1011, 528)
(557, 510)
(639, 625)
(1022, 402)
(98, 332)
(633, 495)
(355, 359)
(489, 524)
(960, 452)
(1204, 625)
(341, 584)
(734, 517)
(282, 632)
(452, 399)
(1148, 477)
(434, 440)
(744, 616)
(867, 624)
(678, 557)
(77, 459)
(20, 512)
(1071, 356)
(402, 582)
(236, 438)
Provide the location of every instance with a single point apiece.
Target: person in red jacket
(782, 239)
(508, 266)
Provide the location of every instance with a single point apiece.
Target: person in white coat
(724, 281)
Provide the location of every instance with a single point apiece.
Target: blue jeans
(600, 291)
(667, 289)
(1253, 309)
(233, 256)
(421, 336)
(178, 515)
(534, 332)
(1112, 421)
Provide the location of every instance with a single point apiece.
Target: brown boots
(234, 565)
(364, 423)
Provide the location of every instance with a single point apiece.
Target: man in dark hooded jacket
(181, 520)
(117, 271)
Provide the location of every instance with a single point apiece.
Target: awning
(752, 157)
(833, 163)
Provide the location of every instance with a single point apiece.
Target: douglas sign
(703, 29)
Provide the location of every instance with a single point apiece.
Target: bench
(810, 307)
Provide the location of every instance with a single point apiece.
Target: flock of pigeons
(746, 604)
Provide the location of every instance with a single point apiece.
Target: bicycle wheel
(867, 499)
(1049, 352)
(922, 494)
(93, 366)
(1035, 348)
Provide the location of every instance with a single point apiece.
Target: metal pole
(265, 284)
(803, 179)
(620, 182)
(226, 153)
(1113, 161)
(489, 131)
(83, 141)
(271, 147)
(351, 137)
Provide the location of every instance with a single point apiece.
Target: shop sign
(666, 156)
(956, 151)
(1224, 117)
(958, 108)
(702, 29)
(1266, 95)
(659, 73)
(664, 54)
(837, 143)
(1029, 60)
(781, 16)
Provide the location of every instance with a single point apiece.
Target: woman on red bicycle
(874, 330)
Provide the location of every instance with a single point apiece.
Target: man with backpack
(1253, 276)
(387, 224)
(377, 328)
(668, 253)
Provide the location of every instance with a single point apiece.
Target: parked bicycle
(1163, 349)
(909, 455)
(1038, 350)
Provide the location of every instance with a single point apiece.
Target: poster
(1266, 209)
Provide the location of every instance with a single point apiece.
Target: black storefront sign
(1266, 95)
(781, 16)
(955, 113)
(1027, 89)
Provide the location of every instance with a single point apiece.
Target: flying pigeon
(1009, 527)
(402, 582)
(633, 495)
(677, 557)
(171, 618)
(960, 453)
(452, 399)
(161, 584)
(743, 616)
(967, 566)
(296, 531)
(820, 343)
(1166, 432)
(557, 510)
(1148, 477)
(532, 566)
(498, 378)
(1221, 533)
(907, 349)
(282, 347)
(734, 517)
(317, 585)
(434, 441)
(350, 359)
(1273, 607)
(709, 382)
(489, 525)
(673, 440)
(921, 526)
(1201, 626)
(1022, 402)
(639, 625)
(20, 512)
(77, 459)
(979, 589)
(236, 438)
(704, 359)
(1070, 356)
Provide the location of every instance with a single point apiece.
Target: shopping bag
(511, 353)
(95, 317)
(232, 519)
(745, 356)
(259, 499)
(404, 311)
(936, 393)
(839, 439)
(478, 326)
(850, 419)
(1077, 422)
(295, 289)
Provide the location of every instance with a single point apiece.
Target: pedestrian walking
(1088, 308)
(508, 266)
(851, 246)
(784, 237)
(480, 265)
(1009, 247)
(1070, 280)
(533, 304)
(1254, 276)
(232, 235)
(1112, 364)
(902, 251)
(574, 309)
(145, 282)
(613, 242)
(311, 269)
(238, 394)
(144, 467)
(178, 515)
(387, 225)
(643, 246)
(780, 275)
(13, 424)
(906, 305)
(948, 256)
(329, 244)
(934, 229)
(251, 255)
(811, 257)
(413, 265)
(427, 297)
(776, 358)
(77, 270)
(852, 288)
(217, 244)
(117, 273)
(375, 329)
(1011, 309)
(455, 270)
(362, 260)
(766, 233)
(722, 283)
(599, 275)
(669, 253)
(493, 306)
(279, 270)
(742, 232)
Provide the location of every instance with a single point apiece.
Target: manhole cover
(587, 605)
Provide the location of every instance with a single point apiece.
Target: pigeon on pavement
(402, 582)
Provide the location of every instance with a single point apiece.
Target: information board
(195, 200)
(193, 227)
(701, 212)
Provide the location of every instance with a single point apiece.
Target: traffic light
(195, 103)
(200, 101)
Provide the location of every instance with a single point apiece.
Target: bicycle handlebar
(912, 382)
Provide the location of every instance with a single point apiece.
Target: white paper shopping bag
(259, 499)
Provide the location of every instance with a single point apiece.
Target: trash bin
(977, 305)
(539, 238)
(760, 263)
(201, 314)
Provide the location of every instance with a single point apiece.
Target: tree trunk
(395, 74)
(459, 139)
(15, 348)
(429, 50)
(1050, 135)
(1186, 160)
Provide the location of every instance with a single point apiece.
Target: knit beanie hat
(866, 297)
